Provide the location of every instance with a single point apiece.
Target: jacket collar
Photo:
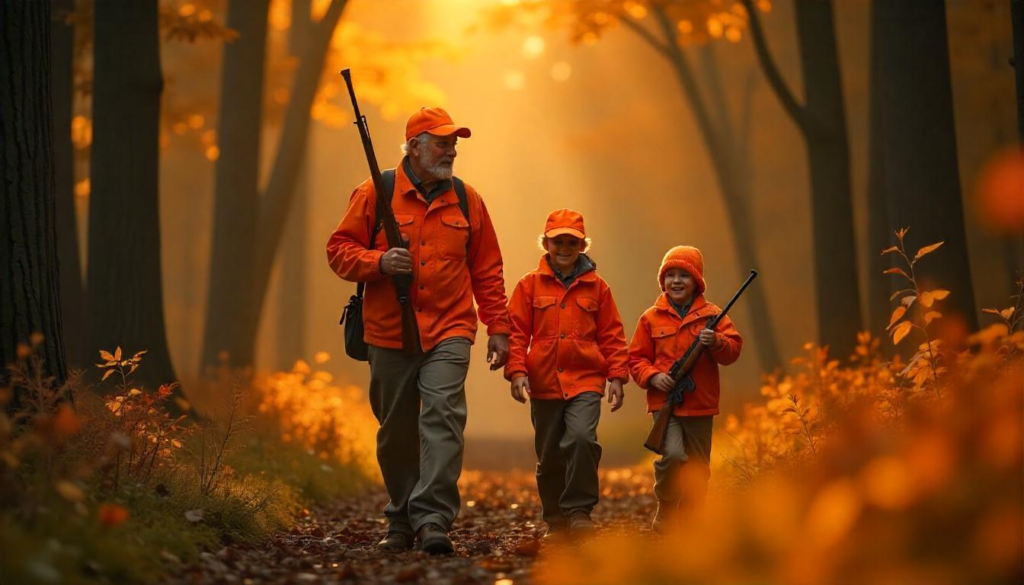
(587, 270)
(698, 310)
(404, 184)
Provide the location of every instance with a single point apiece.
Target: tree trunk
(29, 272)
(277, 199)
(125, 282)
(922, 176)
(1017, 25)
(828, 156)
(230, 327)
(880, 229)
(72, 292)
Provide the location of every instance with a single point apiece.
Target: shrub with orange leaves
(333, 421)
(877, 472)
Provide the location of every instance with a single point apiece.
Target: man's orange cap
(564, 221)
(435, 121)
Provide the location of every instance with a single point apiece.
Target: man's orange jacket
(566, 340)
(662, 337)
(446, 276)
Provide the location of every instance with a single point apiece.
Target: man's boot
(395, 541)
(434, 540)
(580, 524)
(664, 516)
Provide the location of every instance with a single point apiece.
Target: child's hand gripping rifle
(386, 217)
(680, 374)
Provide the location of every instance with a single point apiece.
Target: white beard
(437, 170)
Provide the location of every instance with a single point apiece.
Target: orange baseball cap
(435, 121)
(565, 221)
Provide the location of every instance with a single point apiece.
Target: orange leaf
(931, 316)
(890, 250)
(927, 299)
(112, 515)
(107, 375)
(927, 250)
(897, 271)
(907, 301)
(900, 332)
(993, 312)
(896, 315)
(106, 355)
(117, 353)
(1007, 313)
(940, 294)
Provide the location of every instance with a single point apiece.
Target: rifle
(386, 217)
(680, 374)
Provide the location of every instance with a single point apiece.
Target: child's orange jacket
(662, 337)
(566, 340)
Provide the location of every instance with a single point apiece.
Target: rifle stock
(386, 215)
(680, 370)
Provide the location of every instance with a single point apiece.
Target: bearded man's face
(436, 155)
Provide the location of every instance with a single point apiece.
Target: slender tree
(922, 177)
(880, 230)
(233, 329)
(821, 120)
(1017, 24)
(124, 276)
(29, 266)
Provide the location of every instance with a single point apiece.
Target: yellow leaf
(1007, 313)
(900, 332)
(931, 316)
(896, 315)
(927, 250)
(134, 392)
(70, 491)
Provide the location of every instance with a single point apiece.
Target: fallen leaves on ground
(498, 536)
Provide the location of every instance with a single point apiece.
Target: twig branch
(789, 102)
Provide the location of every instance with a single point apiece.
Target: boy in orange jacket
(567, 341)
(663, 334)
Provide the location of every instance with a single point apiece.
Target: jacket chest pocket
(545, 317)
(585, 318)
(665, 345)
(453, 234)
(405, 226)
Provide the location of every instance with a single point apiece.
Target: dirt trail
(496, 537)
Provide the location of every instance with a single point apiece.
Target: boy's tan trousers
(682, 472)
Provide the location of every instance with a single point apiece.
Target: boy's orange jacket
(566, 340)
(445, 281)
(662, 337)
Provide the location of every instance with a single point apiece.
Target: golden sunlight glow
(715, 27)
(81, 132)
(636, 10)
(212, 153)
(280, 15)
(561, 71)
(685, 27)
(82, 188)
(187, 10)
(733, 34)
(196, 121)
(533, 47)
(515, 80)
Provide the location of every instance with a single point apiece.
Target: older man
(453, 256)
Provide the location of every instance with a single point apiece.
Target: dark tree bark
(236, 197)
(1017, 24)
(922, 176)
(124, 276)
(822, 122)
(732, 170)
(72, 292)
(275, 202)
(29, 273)
(880, 229)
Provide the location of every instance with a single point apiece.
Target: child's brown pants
(682, 472)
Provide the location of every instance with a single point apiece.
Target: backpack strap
(460, 192)
(387, 179)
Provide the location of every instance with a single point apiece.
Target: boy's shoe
(556, 531)
(664, 516)
(395, 541)
(580, 524)
(434, 540)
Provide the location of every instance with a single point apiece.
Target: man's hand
(520, 388)
(662, 382)
(497, 351)
(708, 337)
(396, 261)
(615, 394)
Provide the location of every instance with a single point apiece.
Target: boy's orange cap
(565, 221)
(689, 259)
(435, 121)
